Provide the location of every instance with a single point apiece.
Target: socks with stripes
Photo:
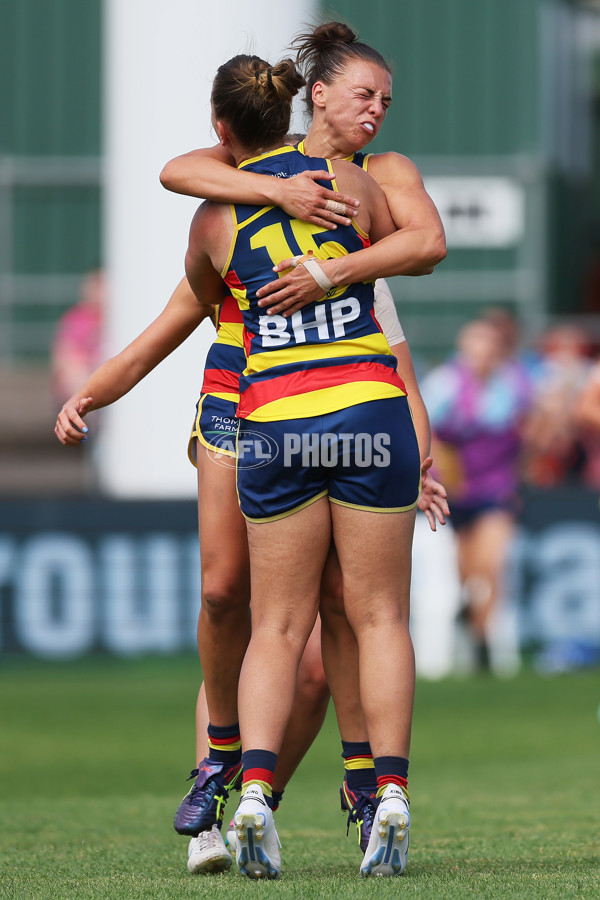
(359, 766)
(224, 744)
(258, 768)
(391, 770)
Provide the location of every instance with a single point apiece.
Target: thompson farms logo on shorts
(252, 451)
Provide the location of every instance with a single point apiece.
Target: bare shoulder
(349, 171)
(207, 251)
(205, 216)
(351, 179)
(391, 166)
(211, 226)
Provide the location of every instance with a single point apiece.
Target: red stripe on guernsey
(248, 338)
(374, 317)
(308, 380)
(258, 775)
(366, 242)
(232, 281)
(220, 381)
(230, 311)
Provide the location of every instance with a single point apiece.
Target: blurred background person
(586, 415)
(77, 343)
(76, 350)
(516, 351)
(554, 452)
(477, 403)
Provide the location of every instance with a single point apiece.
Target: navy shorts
(215, 426)
(365, 456)
(464, 515)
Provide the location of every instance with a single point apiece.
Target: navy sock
(358, 763)
(224, 744)
(391, 770)
(259, 766)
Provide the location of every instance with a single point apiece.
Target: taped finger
(335, 206)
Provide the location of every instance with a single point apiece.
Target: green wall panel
(50, 66)
(50, 144)
(56, 230)
(465, 73)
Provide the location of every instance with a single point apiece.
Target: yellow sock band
(265, 788)
(359, 762)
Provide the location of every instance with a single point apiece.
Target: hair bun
(322, 41)
(281, 81)
(334, 33)
(255, 99)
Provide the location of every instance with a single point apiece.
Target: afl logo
(252, 451)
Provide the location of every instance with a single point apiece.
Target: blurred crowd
(504, 417)
(520, 415)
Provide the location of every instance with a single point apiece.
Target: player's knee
(332, 601)
(331, 607)
(332, 595)
(223, 599)
(379, 618)
(312, 684)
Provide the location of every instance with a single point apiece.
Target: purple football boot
(361, 807)
(203, 806)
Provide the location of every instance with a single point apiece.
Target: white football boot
(256, 841)
(230, 838)
(387, 851)
(207, 853)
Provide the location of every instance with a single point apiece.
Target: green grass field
(505, 786)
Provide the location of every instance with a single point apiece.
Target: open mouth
(368, 126)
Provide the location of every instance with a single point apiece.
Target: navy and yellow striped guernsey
(327, 356)
(226, 358)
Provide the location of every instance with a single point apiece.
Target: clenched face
(353, 107)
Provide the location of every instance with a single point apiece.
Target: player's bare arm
(211, 174)
(210, 236)
(118, 375)
(411, 207)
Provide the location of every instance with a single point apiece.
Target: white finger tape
(313, 268)
(336, 207)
